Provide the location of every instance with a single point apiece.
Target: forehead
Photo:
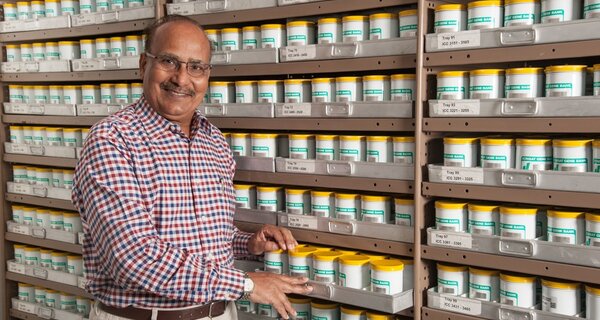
(182, 39)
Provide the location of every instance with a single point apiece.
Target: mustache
(167, 85)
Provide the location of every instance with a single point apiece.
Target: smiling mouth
(172, 89)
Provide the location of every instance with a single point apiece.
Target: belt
(212, 309)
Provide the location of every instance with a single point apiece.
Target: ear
(143, 62)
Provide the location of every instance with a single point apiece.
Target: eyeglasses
(168, 63)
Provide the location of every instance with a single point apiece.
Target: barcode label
(571, 169)
(298, 274)
(447, 228)
(558, 94)
(372, 159)
(561, 239)
(295, 155)
(509, 234)
(325, 279)
(493, 165)
(244, 308)
(440, 30)
(373, 98)
(351, 39)
(348, 158)
(294, 210)
(273, 269)
(402, 97)
(292, 100)
(401, 160)
(324, 156)
(380, 290)
(451, 163)
(448, 290)
(374, 219)
(507, 301)
(480, 95)
(343, 99)
(595, 243)
(295, 43)
(518, 95)
(260, 154)
(449, 96)
(551, 20)
(375, 36)
(324, 41)
(481, 295)
(265, 207)
(486, 232)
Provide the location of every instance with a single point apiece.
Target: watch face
(248, 285)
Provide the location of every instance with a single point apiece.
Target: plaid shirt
(157, 210)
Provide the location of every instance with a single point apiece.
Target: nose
(181, 76)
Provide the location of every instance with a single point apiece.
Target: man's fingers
(289, 239)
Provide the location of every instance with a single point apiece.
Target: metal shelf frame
(532, 125)
(63, 246)
(319, 124)
(48, 284)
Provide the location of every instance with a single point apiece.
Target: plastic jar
(231, 39)
(497, 153)
(26, 292)
(297, 201)
(329, 31)
(451, 216)
(452, 279)
(86, 6)
(374, 315)
(460, 152)
(323, 89)
(302, 307)
(10, 11)
(270, 91)
(46, 257)
(29, 217)
(39, 51)
(72, 222)
(87, 48)
(404, 149)
(107, 93)
(484, 284)
(592, 229)
(40, 295)
(534, 154)
(484, 219)
(324, 310)
(566, 227)
(23, 10)
(453, 85)
(122, 95)
(561, 297)
(327, 147)
(68, 301)
(521, 12)
(57, 220)
(403, 87)
(301, 261)
(28, 94)
(560, 10)
(297, 90)
(596, 83)
(302, 146)
(84, 133)
(241, 144)
(16, 134)
(75, 264)
(27, 134)
(38, 10)
(348, 89)
(41, 94)
(264, 145)
(269, 198)
(347, 206)
(352, 148)
(68, 178)
(72, 94)
(518, 223)
(54, 137)
(20, 174)
(325, 266)
(376, 88)
(52, 298)
(486, 83)
(26, 51)
(83, 306)
(117, 47)
(90, 94)
(214, 36)
(376, 209)
(32, 256)
(17, 213)
(300, 33)
(69, 7)
(57, 178)
(69, 50)
(42, 219)
(59, 261)
(383, 26)
(524, 83)
(484, 15)
(133, 45)
(267, 310)
(13, 52)
(379, 149)
(273, 35)
(19, 255)
(565, 81)
(55, 94)
(251, 37)
(117, 4)
(52, 8)
(572, 155)
(591, 9)
(39, 136)
(276, 261)
(102, 48)
(245, 196)
(387, 276)
(450, 18)
(354, 271)
(52, 51)
(408, 21)
(322, 203)
(404, 211)
(137, 90)
(355, 28)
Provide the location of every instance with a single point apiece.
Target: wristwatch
(248, 287)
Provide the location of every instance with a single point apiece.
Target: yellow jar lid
(383, 15)
(321, 304)
(376, 78)
(9, 5)
(497, 141)
(404, 201)
(487, 72)
(571, 143)
(245, 83)
(352, 310)
(327, 255)
(264, 135)
(133, 37)
(373, 315)
(19, 246)
(595, 290)
(15, 128)
(450, 74)
(28, 87)
(53, 129)
(296, 81)
(347, 79)
(476, 4)
(560, 284)
(51, 290)
(25, 285)
(354, 259)
(85, 129)
(51, 43)
(565, 214)
(71, 214)
(106, 85)
(19, 166)
(518, 211)
(42, 211)
(451, 268)
(243, 186)
(329, 20)
(507, 2)
(271, 26)
(250, 28)
(318, 247)
(56, 213)
(277, 251)
(220, 83)
(42, 250)
(87, 41)
(57, 170)
(122, 85)
(300, 24)
(450, 140)
(300, 136)
(230, 30)
(379, 139)
(15, 86)
(482, 207)
(410, 12)
(269, 82)
(90, 86)
(322, 193)
(326, 137)
(450, 7)
(592, 217)
(596, 67)
(212, 31)
(240, 135)
(70, 87)
(37, 129)
(404, 139)
(55, 87)
(22, 3)
(449, 205)
(137, 85)
(323, 80)
(299, 299)
(387, 265)
(302, 251)
(68, 171)
(574, 68)
(402, 76)
(102, 40)
(42, 170)
(59, 254)
(483, 272)
(352, 138)
(534, 142)
(32, 249)
(297, 191)
(17, 207)
(41, 87)
(74, 257)
(375, 198)
(373, 256)
(38, 45)
(68, 43)
(354, 18)
(268, 189)
(345, 251)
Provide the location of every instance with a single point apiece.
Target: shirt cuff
(240, 243)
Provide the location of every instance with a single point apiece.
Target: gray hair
(151, 29)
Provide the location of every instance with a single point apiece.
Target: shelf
(531, 196)
(51, 120)
(319, 124)
(45, 243)
(46, 273)
(311, 67)
(71, 76)
(317, 181)
(48, 284)
(297, 10)
(514, 264)
(255, 216)
(24, 315)
(40, 160)
(354, 169)
(358, 243)
(41, 233)
(532, 125)
(436, 314)
(38, 201)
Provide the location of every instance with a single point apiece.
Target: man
(155, 193)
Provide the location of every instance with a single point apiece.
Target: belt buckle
(210, 306)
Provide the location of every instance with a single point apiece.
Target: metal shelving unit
(48, 284)
(58, 245)
(320, 124)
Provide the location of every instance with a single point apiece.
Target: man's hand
(270, 288)
(270, 238)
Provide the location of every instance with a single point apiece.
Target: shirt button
(203, 218)
(210, 256)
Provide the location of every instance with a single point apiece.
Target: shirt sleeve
(240, 242)
(128, 245)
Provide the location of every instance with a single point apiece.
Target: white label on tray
(39, 191)
(19, 148)
(10, 67)
(16, 268)
(81, 282)
(302, 222)
(300, 52)
(110, 16)
(457, 107)
(462, 175)
(213, 111)
(452, 240)
(87, 65)
(183, 8)
(26, 307)
(296, 109)
(22, 188)
(299, 167)
(91, 111)
(85, 19)
(40, 273)
(20, 229)
(39, 109)
(462, 39)
(19, 108)
(461, 305)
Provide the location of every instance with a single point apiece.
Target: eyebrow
(176, 57)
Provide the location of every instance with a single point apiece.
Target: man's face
(175, 94)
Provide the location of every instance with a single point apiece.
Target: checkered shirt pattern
(157, 210)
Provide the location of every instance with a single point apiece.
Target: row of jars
(351, 28)
(311, 308)
(113, 47)
(397, 87)
(47, 218)
(519, 290)
(325, 204)
(568, 226)
(324, 147)
(47, 258)
(346, 268)
(560, 81)
(24, 10)
(105, 93)
(531, 153)
(478, 15)
(48, 136)
(47, 177)
(54, 299)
